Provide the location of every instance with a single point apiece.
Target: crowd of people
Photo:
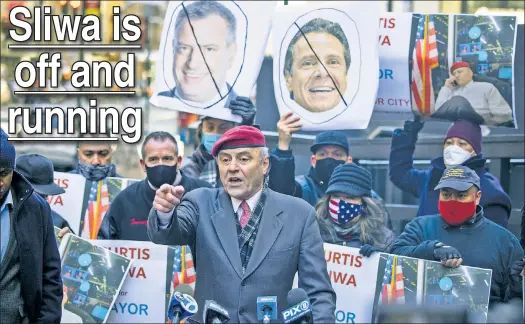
(251, 223)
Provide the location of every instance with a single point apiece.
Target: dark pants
(456, 108)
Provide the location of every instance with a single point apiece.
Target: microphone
(266, 308)
(300, 310)
(182, 305)
(214, 313)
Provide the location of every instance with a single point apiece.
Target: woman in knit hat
(348, 216)
(462, 145)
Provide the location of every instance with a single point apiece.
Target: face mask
(96, 172)
(325, 167)
(456, 212)
(161, 174)
(209, 139)
(454, 155)
(343, 212)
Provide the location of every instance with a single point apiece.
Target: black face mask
(325, 167)
(161, 174)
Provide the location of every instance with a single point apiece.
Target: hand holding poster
(386, 279)
(459, 67)
(92, 277)
(326, 63)
(211, 52)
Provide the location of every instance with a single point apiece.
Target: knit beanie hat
(7, 152)
(468, 131)
(350, 179)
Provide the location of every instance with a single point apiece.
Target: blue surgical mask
(209, 139)
(343, 212)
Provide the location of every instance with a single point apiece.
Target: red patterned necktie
(245, 214)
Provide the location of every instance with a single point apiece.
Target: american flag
(393, 288)
(183, 270)
(341, 211)
(98, 205)
(424, 59)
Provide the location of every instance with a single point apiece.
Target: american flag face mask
(343, 212)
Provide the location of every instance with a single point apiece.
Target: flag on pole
(183, 269)
(424, 60)
(98, 205)
(393, 288)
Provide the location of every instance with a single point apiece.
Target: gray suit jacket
(288, 241)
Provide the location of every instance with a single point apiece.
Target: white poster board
(146, 291)
(69, 204)
(210, 52)
(326, 65)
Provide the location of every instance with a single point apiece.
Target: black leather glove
(445, 252)
(414, 127)
(367, 250)
(243, 106)
(515, 271)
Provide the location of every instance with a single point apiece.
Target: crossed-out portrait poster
(210, 53)
(447, 67)
(326, 66)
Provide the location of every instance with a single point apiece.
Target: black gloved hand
(367, 250)
(444, 252)
(515, 271)
(243, 106)
(414, 127)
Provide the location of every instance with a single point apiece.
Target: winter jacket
(38, 254)
(201, 162)
(421, 183)
(483, 244)
(308, 187)
(127, 217)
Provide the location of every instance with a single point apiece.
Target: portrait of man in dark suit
(204, 48)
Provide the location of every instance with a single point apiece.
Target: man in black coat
(127, 216)
(30, 280)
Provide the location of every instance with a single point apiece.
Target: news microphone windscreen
(185, 289)
(296, 295)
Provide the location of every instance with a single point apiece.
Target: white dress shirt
(483, 97)
(236, 204)
(164, 218)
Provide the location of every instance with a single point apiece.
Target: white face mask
(454, 155)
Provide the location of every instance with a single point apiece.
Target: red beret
(458, 65)
(240, 136)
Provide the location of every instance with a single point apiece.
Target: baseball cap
(38, 170)
(330, 138)
(460, 178)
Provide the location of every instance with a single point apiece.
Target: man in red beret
(249, 240)
(464, 98)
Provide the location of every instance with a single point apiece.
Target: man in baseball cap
(461, 235)
(38, 170)
(464, 98)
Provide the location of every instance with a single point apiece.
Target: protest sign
(418, 52)
(92, 278)
(210, 53)
(386, 279)
(156, 271)
(326, 63)
(352, 275)
(69, 204)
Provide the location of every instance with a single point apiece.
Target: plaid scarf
(209, 173)
(247, 234)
